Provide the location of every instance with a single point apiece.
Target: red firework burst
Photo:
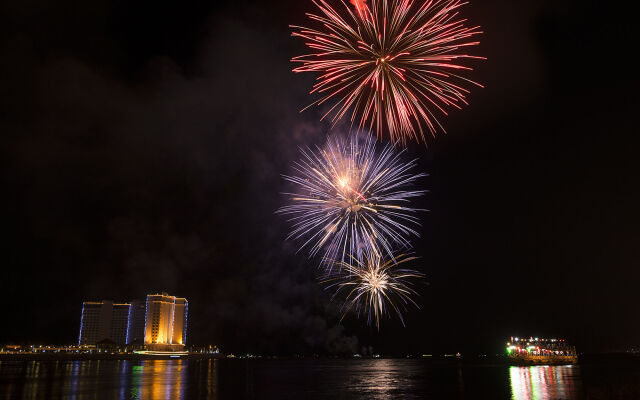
(390, 64)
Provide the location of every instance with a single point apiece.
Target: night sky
(143, 142)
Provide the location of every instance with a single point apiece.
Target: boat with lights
(540, 351)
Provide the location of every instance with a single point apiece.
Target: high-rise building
(119, 323)
(135, 329)
(180, 311)
(103, 321)
(160, 322)
(166, 322)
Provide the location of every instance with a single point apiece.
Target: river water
(316, 379)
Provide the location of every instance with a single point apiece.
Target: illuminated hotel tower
(180, 309)
(166, 322)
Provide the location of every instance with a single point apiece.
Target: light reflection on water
(78, 380)
(154, 379)
(310, 379)
(381, 379)
(544, 382)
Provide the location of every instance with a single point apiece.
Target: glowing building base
(164, 347)
(162, 353)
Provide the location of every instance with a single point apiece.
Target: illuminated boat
(540, 351)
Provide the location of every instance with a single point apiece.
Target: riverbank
(103, 356)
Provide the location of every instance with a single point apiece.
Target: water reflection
(143, 379)
(311, 379)
(380, 379)
(544, 382)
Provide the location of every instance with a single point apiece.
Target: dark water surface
(315, 379)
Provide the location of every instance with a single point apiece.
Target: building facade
(160, 322)
(166, 322)
(135, 329)
(103, 321)
(119, 323)
(180, 311)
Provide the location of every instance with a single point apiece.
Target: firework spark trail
(374, 286)
(391, 64)
(350, 198)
